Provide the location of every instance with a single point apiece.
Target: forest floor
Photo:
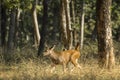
(26, 66)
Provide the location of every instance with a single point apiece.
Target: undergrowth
(26, 66)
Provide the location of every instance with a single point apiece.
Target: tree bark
(17, 28)
(118, 34)
(104, 29)
(82, 24)
(36, 27)
(56, 19)
(68, 24)
(44, 27)
(3, 24)
(73, 12)
(0, 23)
(94, 33)
(11, 37)
(64, 35)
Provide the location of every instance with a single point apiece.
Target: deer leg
(75, 63)
(64, 67)
(53, 68)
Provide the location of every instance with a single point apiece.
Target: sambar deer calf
(64, 57)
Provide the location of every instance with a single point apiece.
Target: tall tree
(72, 12)
(94, 33)
(104, 29)
(118, 34)
(11, 37)
(82, 23)
(67, 36)
(36, 27)
(43, 31)
(72, 8)
(68, 23)
(0, 23)
(3, 24)
(56, 19)
(17, 28)
(64, 35)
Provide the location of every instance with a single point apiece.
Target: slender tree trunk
(17, 28)
(105, 43)
(22, 34)
(36, 27)
(44, 27)
(75, 36)
(64, 35)
(82, 24)
(73, 12)
(68, 24)
(94, 33)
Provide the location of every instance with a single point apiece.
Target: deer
(63, 57)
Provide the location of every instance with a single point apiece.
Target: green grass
(25, 66)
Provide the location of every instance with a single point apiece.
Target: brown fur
(64, 57)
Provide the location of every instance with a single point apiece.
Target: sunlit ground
(26, 66)
(40, 70)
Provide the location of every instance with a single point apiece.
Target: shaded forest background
(26, 26)
(32, 24)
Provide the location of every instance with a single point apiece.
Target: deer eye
(48, 51)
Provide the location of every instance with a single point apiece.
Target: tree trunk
(68, 24)
(64, 35)
(36, 27)
(44, 27)
(3, 25)
(56, 20)
(11, 37)
(105, 43)
(82, 24)
(17, 28)
(73, 12)
(75, 36)
(22, 34)
(0, 24)
(118, 34)
(94, 33)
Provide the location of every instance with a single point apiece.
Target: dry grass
(40, 70)
(26, 66)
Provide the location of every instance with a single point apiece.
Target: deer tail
(77, 47)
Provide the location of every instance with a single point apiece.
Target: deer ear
(46, 45)
(53, 47)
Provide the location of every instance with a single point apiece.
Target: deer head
(49, 51)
